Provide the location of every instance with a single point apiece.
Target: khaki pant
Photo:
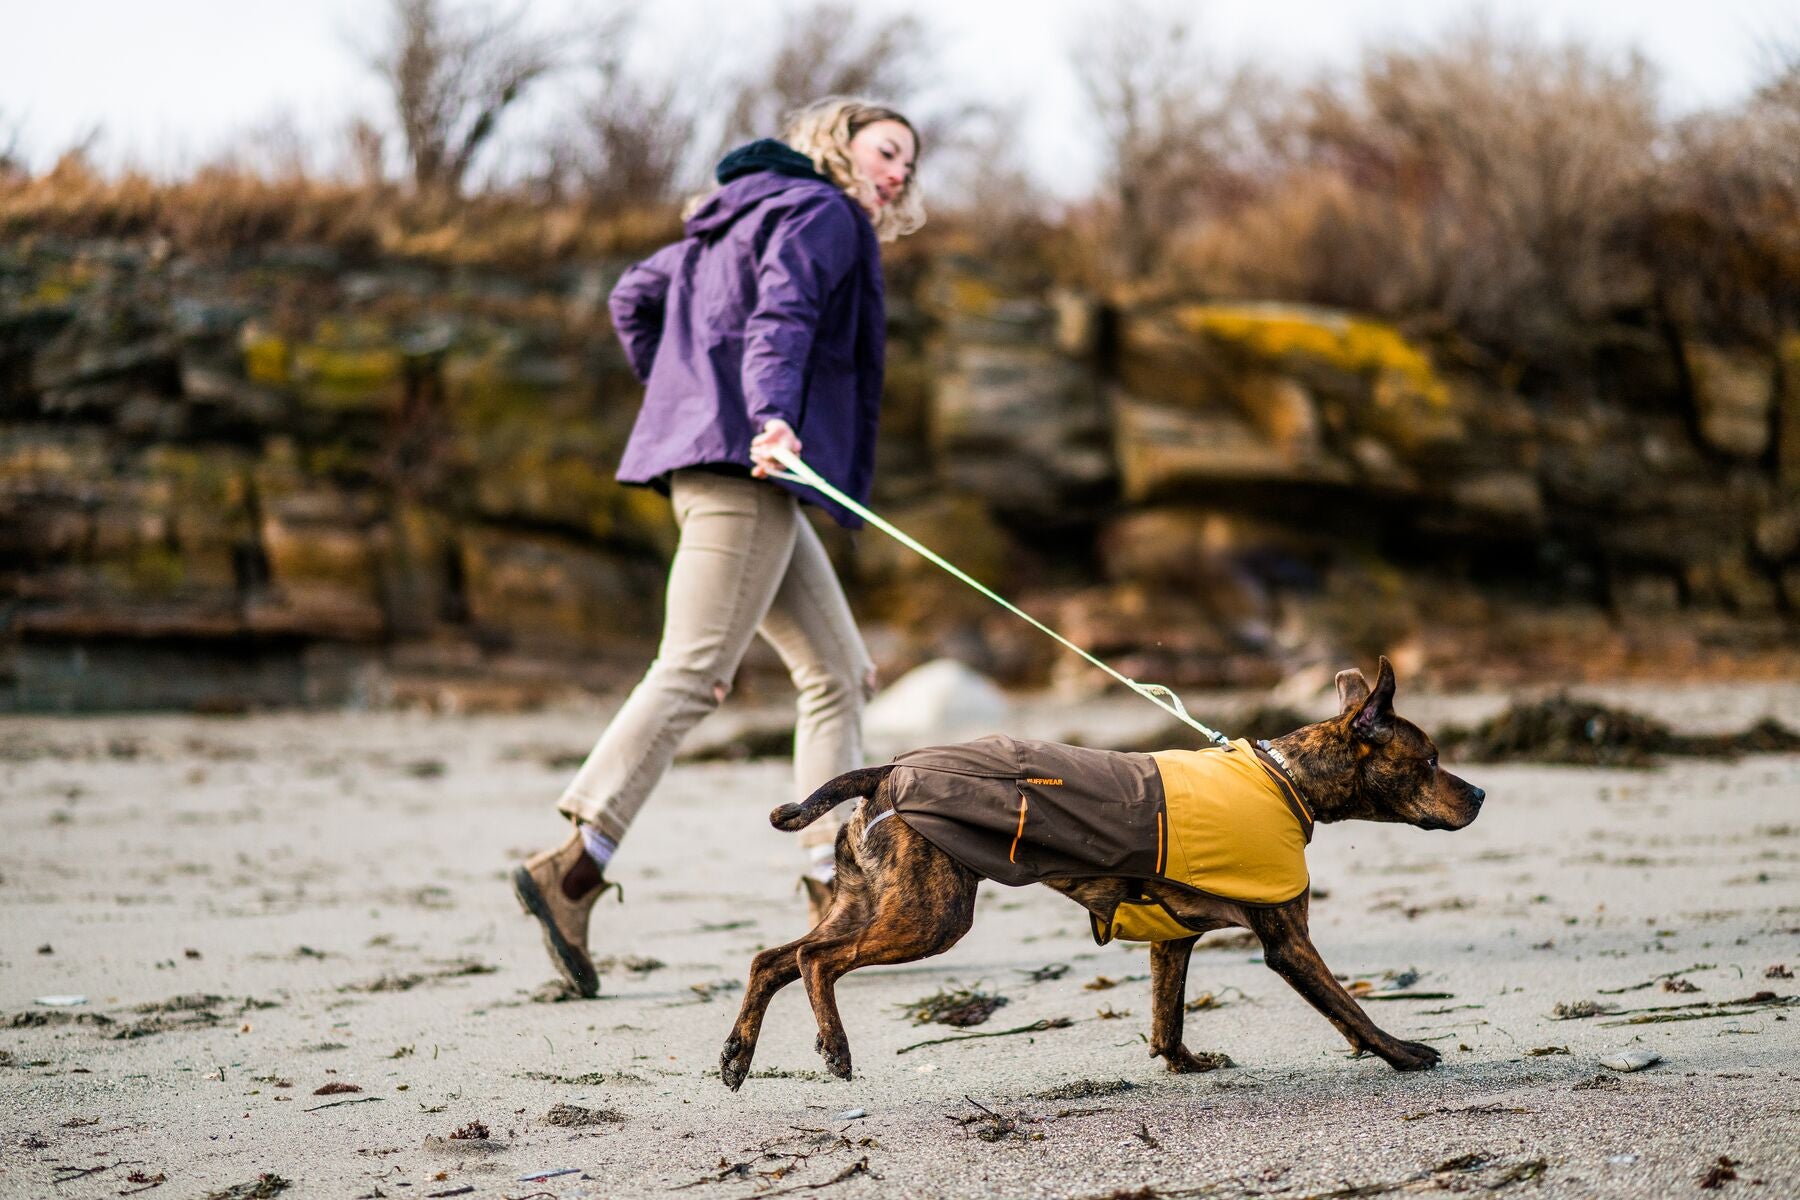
(747, 563)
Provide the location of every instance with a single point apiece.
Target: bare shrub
(1180, 135)
(637, 139)
(1726, 240)
(827, 49)
(274, 148)
(364, 147)
(979, 182)
(632, 134)
(1491, 179)
(452, 74)
(12, 158)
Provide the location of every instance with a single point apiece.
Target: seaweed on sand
(954, 1006)
(1566, 729)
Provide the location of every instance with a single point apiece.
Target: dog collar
(1277, 764)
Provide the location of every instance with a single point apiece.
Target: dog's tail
(847, 786)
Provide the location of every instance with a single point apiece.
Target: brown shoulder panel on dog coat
(1020, 811)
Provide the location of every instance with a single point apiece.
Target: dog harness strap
(1290, 791)
(878, 820)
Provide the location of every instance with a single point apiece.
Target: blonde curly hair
(822, 131)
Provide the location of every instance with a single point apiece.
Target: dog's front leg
(1289, 952)
(1168, 989)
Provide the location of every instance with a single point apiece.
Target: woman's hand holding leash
(762, 447)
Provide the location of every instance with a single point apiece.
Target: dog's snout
(1480, 795)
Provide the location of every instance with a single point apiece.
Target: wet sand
(260, 908)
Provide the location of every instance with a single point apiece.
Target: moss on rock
(1293, 335)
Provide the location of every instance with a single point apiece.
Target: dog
(900, 897)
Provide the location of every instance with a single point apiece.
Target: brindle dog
(900, 898)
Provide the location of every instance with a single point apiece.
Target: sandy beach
(299, 957)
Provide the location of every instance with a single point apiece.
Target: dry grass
(1489, 184)
(225, 209)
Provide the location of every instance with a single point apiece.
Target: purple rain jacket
(771, 306)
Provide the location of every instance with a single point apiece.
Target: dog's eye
(1432, 762)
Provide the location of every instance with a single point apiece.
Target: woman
(762, 328)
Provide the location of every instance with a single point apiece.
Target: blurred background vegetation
(1471, 354)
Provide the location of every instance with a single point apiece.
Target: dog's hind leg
(775, 968)
(1168, 989)
(920, 903)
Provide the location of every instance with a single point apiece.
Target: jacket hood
(766, 154)
(750, 175)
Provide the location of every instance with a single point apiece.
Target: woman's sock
(824, 862)
(599, 847)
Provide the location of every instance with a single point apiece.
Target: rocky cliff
(295, 475)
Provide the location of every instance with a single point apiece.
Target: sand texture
(300, 958)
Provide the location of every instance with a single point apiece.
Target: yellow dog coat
(1224, 821)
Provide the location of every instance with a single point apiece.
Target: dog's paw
(734, 1063)
(1410, 1056)
(836, 1053)
(1185, 1062)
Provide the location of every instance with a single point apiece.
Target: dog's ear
(1353, 689)
(1374, 721)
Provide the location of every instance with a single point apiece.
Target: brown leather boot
(559, 888)
(818, 899)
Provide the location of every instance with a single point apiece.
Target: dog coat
(1224, 821)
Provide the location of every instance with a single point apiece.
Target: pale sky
(169, 82)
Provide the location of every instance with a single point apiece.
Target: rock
(413, 575)
(906, 589)
(1787, 449)
(1507, 496)
(151, 361)
(1282, 410)
(907, 399)
(1734, 394)
(546, 594)
(339, 450)
(239, 403)
(1790, 587)
(1631, 1060)
(1329, 349)
(267, 355)
(976, 306)
(322, 581)
(343, 373)
(1776, 533)
(1077, 322)
(1158, 359)
(943, 698)
(1171, 630)
(1016, 413)
(536, 449)
(28, 332)
(1648, 594)
(1021, 427)
(1165, 451)
(321, 545)
(1733, 582)
(1201, 554)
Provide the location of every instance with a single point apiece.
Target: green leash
(798, 472)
